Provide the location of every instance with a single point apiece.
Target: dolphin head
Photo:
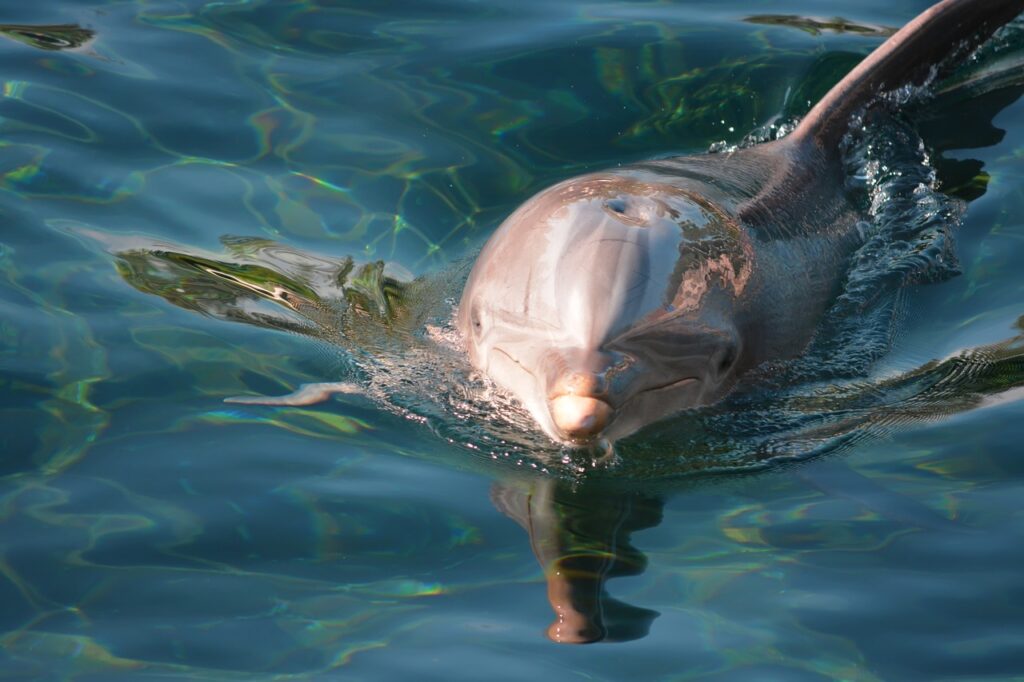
(605, 303)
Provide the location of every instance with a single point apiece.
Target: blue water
(860, 524)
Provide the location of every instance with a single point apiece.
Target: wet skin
(615, 299)
(664, 323)
(697, 262)
(612, 300)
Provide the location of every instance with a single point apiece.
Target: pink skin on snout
(580, 417)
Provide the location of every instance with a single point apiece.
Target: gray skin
(614, 299)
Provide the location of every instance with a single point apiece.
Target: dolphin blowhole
(612, 300)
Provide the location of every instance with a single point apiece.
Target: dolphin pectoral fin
(306, 394)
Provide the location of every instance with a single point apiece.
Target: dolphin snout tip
(580, 417)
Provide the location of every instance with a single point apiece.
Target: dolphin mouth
(583, 419)
(511, 358)
(660, 388)
(669, 385)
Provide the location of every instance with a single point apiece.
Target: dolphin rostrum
(616, 298)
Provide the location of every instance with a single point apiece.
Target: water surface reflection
(48, 37)
(581, 536)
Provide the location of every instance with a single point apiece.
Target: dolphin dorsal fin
(936, 40)
(930, 45)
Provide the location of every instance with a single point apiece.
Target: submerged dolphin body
(613, 299)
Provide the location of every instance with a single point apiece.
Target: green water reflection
(56, 37)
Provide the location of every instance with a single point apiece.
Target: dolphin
(617, 298)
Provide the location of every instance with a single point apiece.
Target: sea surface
(201, 200)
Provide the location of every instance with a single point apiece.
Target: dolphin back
(930, 45)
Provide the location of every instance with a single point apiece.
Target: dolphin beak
(580, 417)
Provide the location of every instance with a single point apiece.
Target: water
(863, 525)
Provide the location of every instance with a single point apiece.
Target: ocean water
(186, 186)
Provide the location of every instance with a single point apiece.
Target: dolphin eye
(475, 320)
(616, 205)
(725, 362)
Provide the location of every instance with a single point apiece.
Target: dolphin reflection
(581, 538)
(581, 532)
